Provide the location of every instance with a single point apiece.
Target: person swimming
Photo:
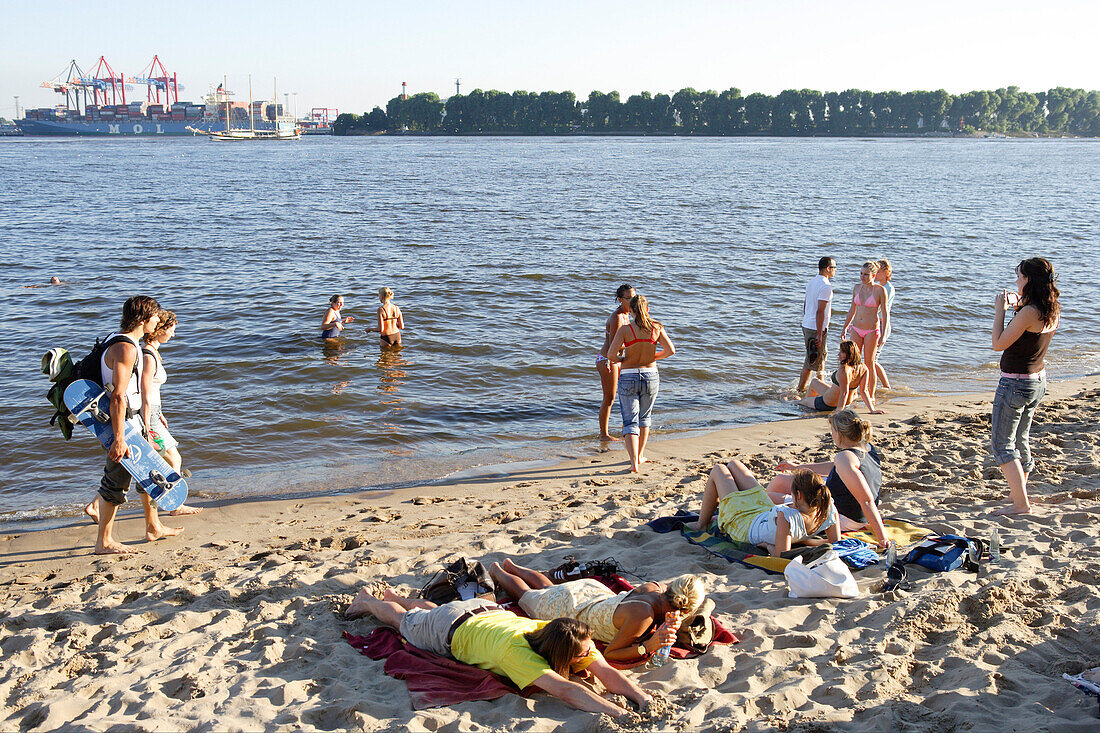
(333, 324)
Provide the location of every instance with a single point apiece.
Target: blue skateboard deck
(89, 404)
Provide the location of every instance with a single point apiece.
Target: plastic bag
(826, 577)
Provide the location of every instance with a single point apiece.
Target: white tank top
(133, 389)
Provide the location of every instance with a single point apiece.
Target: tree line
(796, 112)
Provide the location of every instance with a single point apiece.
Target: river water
(504, 254)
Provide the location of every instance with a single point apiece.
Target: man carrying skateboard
(120, 368)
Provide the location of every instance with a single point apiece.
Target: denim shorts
(637, 392)
(1013, 407)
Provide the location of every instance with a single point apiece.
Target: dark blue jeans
(1013, 407)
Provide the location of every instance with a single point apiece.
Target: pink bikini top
(871, 302)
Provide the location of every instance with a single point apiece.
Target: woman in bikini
(1023, 384)
(390, 320)
(853, 477)
(863, 324)
(638, 377)
(332, 324)
(609, 370)
(748, 513)
(633, 624)
(850, 376)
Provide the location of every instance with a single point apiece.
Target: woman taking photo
(332, 324)
(633, 624)
(853, 477)
(849, 376)
(608, 369)
(638, 378)
(864, 324)
(1023, 382)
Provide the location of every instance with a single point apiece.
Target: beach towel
(716, 541)
(433, 681)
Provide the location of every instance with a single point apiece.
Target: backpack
(461, 579)
(59, 366)
(947, 552)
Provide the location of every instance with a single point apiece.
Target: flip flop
(896, 579)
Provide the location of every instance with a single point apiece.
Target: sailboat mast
(225, 93)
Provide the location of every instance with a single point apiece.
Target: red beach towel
(433, 681)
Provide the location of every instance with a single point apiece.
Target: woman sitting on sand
(849, 376)
(853, 477)
(627, 622)
(332, 324)
(863, 324)
(749, 513)
(390, 320)
(638, 379)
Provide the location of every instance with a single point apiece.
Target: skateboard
(89, 405)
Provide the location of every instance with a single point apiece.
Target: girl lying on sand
(621, 620)
(749, 513)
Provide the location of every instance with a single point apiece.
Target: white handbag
(825, 577)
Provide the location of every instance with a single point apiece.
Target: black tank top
(870, 465)
(1027, 354)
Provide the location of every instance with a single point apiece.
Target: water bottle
(891, 554)
(995, 546)
(660, 657)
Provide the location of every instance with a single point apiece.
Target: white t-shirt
(817, 289)
(762, 529)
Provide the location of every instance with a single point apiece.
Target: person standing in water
(608, 369)
(864, 323)
(638, 377)
(390, 320)
(333, 324)
(815, 321)
(1023, 382)
(883, 276)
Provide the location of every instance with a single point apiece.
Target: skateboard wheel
(158, 478)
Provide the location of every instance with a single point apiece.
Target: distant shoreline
(980, 135)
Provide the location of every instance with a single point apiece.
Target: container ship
(96, 106)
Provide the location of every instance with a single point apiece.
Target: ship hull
(129, 128)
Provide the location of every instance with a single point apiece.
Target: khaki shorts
(427, 628)
(809, 335)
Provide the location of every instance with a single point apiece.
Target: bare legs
(173, 457)
(1017, 489)
(389, 610)
(103, 512)
(881, 373)
(516, 580)
(635, 448)
(868, 345)
(724, 480)
(609, 381)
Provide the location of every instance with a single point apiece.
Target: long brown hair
(137, 309)
(165, 320)
(559, 641)
(811, 487)
(640, 307)
(1040, 290)
(850, 354)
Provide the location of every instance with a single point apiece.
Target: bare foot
(692, 526)
(184, 510)
(92, 510)
(161, 532)
(359, 605)
(1010, 509)
(113, 548)
(606, 438)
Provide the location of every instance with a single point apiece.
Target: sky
(354, 55)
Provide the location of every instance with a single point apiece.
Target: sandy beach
(236, 624)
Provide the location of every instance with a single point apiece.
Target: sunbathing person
(527, 651)
(633, 624)
(749, 513)
(854, 476)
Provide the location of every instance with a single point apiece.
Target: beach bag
(697, 630)
(58, 365)
(461, 580)
(947, 552)
(826, 577)
(571, 569)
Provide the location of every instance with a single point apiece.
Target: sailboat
(283, 130)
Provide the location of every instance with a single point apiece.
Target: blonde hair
(851, 426)
(685, 593)
(385, 293)
(871, 265)
(640, 307)
(165, 320)
(884, 264)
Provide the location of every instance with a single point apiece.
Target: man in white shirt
(815, 321)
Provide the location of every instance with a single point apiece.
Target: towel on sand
(716, 541)
(433, 681)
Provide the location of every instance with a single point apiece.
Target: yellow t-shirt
(494, 641)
